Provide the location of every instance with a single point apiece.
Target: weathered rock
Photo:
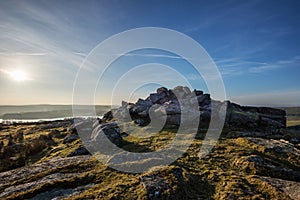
(70, 138)
(154, 185)
(57, 134)
(243, 119)
(83, 126)
(179, 92)
(98, 141)
(144, 103)
(22, 173)
(162, 90)
(62, 193)
(138, 109)
(277, 146)
(108, 116)
(186, 90)
(155, 98)
(73, 129)
(291, 188)
(271, 111)
(203, 99)
(198, 92)
(205, 117)
(270, 125)
(8, 177)
(172, 108)
(255, 118)
(266, 167)
(43, 181)
(178, 105)
(236, 134)
(79, 152)
(113, 134)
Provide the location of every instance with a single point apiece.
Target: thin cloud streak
(41, 34)
(276, 65)
(236, 66)
(144, 55)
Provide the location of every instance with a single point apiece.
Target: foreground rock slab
(291, 188)
(26, 173)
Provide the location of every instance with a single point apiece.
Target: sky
(43, 45)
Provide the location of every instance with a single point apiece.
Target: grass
(293, 116)
(293, 123)
(36, 145)
(222, 174)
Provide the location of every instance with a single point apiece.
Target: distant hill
(43, 111)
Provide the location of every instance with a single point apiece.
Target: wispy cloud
(193, 77)
(155, 56)
(143, 55)
(81, 54)
(42, 40)
(275, 65)
(237, 66)
(40, 30)
(206, 22)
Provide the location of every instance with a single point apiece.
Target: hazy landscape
(40, 112)
(46, 160)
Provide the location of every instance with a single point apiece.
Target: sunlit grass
(222, 174)
(293, 123)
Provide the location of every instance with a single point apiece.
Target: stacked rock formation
(174, 103)
(181, 107)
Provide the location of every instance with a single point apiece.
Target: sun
(18, 75)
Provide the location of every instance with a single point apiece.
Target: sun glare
(18, 75)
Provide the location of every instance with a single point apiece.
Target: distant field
(60, 111)
(293, 122)
(293, 115)
(46, 111)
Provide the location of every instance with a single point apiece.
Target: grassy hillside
(251, 168)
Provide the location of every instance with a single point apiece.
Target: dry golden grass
(293, 123)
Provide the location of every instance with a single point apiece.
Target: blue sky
(255, 45)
